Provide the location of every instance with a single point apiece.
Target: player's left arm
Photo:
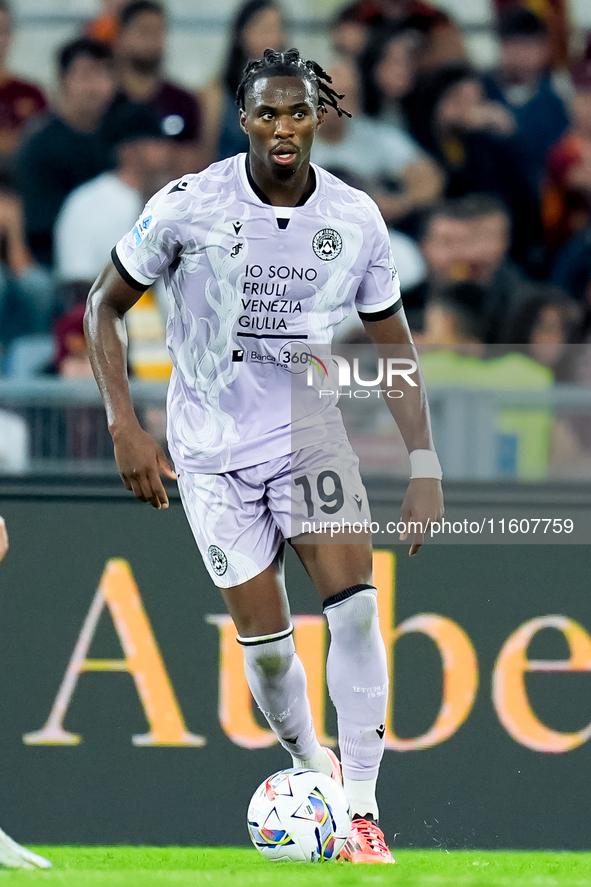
(3, 538)
(423, 502)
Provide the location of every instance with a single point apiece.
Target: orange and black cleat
(365, 844)
(336, 767)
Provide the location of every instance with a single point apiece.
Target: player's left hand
(3, 538)
(422, 505)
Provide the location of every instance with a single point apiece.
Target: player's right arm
(3, 539)
(139, 458)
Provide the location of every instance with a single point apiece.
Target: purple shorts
(240, 519)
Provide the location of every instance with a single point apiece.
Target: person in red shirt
(19, 100)
(567, 191)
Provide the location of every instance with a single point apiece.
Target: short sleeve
(378, 295)
(144, 253)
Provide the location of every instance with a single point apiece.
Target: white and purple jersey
(250, 286)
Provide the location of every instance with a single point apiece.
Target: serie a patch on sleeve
(140, 228)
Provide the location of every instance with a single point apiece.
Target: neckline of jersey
(280, 211)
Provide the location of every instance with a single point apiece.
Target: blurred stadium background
(488, 735)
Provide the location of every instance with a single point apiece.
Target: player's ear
(242, 118)
(320, 112)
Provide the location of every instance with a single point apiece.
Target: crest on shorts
(218, 559)
(327, 244)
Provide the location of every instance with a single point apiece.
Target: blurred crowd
(483, 176)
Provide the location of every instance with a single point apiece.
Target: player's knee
(271, 666)
(270, 657)
(354, 609)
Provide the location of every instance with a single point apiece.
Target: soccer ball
(299, 816)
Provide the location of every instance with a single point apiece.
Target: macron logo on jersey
(139, 231)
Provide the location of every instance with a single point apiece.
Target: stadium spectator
(440, 38)
(79, 429)
(572, 268)
(567, 191)
(455, 314)
(26, 289)
(545, 320)
(97, 214)
(454, 318)
(71, 351)
(65, 149)
(377, 157)
(447, 105)
(387, 75)
(139, 55)
(105, 26)
(467, 239)
(349, 35)
(547, 326)
(470, 137)
(19, 100)
(522, 84)
(257, 25)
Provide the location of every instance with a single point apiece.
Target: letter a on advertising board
(119, 593)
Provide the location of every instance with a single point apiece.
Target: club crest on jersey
(327, 244)
(218, 559)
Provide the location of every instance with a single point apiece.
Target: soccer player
(261, 254)
(11, 853)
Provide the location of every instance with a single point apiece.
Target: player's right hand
(140, 462)
(3, 538)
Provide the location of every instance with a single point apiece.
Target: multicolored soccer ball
(299, 816)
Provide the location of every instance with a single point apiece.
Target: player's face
(281, 118)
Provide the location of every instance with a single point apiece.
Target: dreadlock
(290, 64)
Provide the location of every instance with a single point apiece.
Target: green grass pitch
(240, 867)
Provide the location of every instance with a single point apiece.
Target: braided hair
(290, 64)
